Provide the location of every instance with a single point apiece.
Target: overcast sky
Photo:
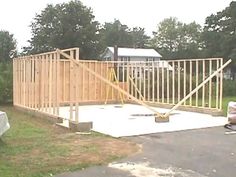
(16, 15)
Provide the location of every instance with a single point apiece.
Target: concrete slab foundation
(129, 119)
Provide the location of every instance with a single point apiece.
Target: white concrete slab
(120, 121)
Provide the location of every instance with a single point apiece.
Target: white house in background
(136, 54)
(131, 54)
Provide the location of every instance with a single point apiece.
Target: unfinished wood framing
(47, 81)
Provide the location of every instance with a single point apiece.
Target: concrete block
(161, 119)
(80, 127)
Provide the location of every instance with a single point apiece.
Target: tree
(65, 25)
(7, 52)
(121, 35)
(220, 33)
(139, 38)
(7, 46)
(174, 39)
(115, 34)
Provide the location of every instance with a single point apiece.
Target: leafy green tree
(174, 39)
(65, 25)
(7, 46)
(139, 38)
(7, 52)
(116, 33)
(220, 33)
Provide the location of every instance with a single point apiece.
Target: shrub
(229, 88)
(6, 83)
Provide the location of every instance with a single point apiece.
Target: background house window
(108, 59)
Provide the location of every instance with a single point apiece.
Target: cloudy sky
(16, 15)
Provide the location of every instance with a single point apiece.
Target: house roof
(134, 52)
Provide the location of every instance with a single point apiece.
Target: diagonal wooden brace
(110, 83)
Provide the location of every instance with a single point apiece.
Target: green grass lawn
(34, 147)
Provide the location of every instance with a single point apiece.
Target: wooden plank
(153, 82)
(19, 84)
(112, 91)
(64, 81)
(71, 88)
(122, 77)
(50, 84)
(38, 82)
(42, 82)
(197, 83)
(44, 79)
(210, 84)
(14, 81)
(58, 83)
(15, 78)
(77, 54)
(148, 81)
(162, 83)
(144, 82)
(140, 81)
(100, 82)
(88, 82)
(95, 81)
(24, 81)
(29, 82)
(83, 84)
(36, 98)
(76, 95)
(132, 76)
(217, 85)
(173, 82)
(21, 81)
(167, 84)
(127, 79)
(46, 82)
(136, 79)
(54, 83)
(184, 80)
(203, 78)
(190, 81)
(34, 82)
(179, 68)
(108, 75)
(14, 72)
(221, 84)
(158, 81)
